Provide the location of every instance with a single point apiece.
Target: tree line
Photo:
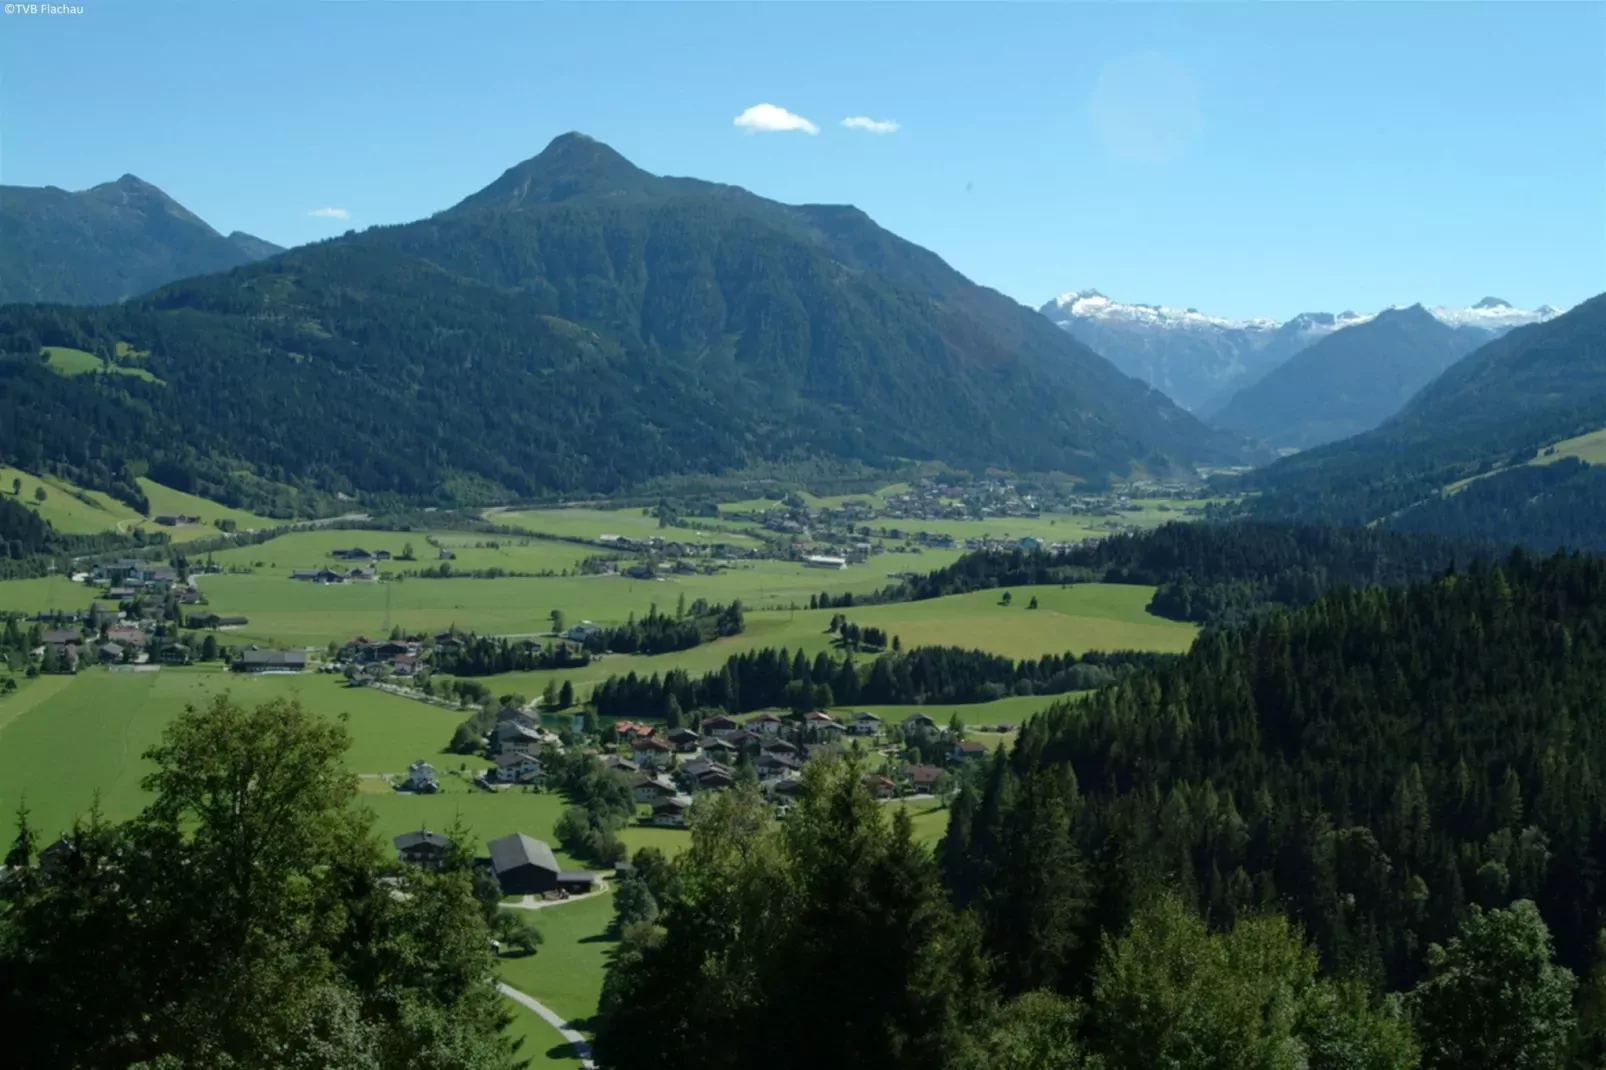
(769, 678)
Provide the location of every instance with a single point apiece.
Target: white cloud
(869, 125)
(330, 213)
(769, 119)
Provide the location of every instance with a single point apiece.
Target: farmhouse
(881, 787)
(254, 659)
(174, 519)
(62, 637)
(524, 866)
(624, 765)
(765, 723)
(423, 848)
(173, 654)
(583, 631)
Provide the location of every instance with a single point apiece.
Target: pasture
(167, 500)
(1590, 448)
(632, 523)
(69, 508)
(1077, 618)
(291, 613)
(69, 362)
(65, 739)
(311, 549)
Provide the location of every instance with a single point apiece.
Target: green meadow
(167, 500)
(291, 613)
(67, 507)
(65, 361)
(1590, 448)
(565, 973)
(311, 549)
(631, 523)
(1077, 618)
(65, 739)
(541, 1044)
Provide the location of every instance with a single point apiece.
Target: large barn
(525, 866)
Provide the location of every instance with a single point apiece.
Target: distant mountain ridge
(1350, 380)
(1456, 459)
(582, 325)
(107, 243)
(1200, 361)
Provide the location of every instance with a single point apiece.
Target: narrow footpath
(582, 1046)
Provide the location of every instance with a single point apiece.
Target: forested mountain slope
(581, 325)
(1373, 765)
(1350, 381)
(1498, 407)
(107, 243)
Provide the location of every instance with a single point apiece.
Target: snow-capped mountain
(1200, 360)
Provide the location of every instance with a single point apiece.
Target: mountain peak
(573, 165)
(1492, 302)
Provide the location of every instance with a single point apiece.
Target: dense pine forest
(1213, 573)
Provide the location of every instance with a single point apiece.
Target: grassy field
(65, 506)
(292, 613)
(542, 1045)
(310, 549)
(631, 523)
(1014, 710)
(167, 500)
(1078, 618)
(930, 818)
(65, 738)
(1590, 448)
(64, 361)
(566, 972)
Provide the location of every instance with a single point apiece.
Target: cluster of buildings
(668, 766)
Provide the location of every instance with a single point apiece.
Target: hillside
(577, 326)
(1499, 407)
(1350, 381)
(107, 243)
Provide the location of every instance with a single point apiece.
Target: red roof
(817, 716)
(647, 743)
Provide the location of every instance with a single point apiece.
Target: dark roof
(422, 838)
(576, 876)
(684, 735)
(63, 635)
(273, 657)
(514, 757)
(516, 849)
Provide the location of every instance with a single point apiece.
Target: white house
(421, 778)
(865, 723)
(513, 767)
(651, 753)
(765, 724)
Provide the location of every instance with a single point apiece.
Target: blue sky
(1244, 159)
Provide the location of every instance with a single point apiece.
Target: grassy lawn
(542, 1045)
(64, 738)
(929, 817)
(565, 973)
